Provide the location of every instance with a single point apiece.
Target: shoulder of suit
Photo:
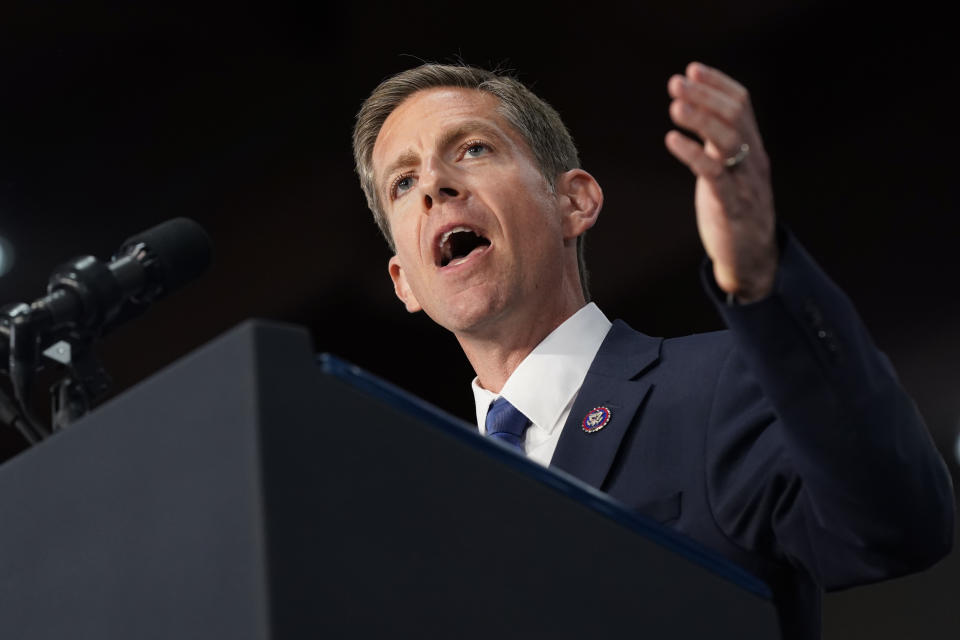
(713, 344)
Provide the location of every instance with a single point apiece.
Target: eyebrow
(462, 130)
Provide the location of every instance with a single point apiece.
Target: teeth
(446, 236)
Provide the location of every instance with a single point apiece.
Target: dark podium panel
(248, 491)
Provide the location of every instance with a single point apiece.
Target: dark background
(117, 116)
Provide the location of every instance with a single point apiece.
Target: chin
(468, 314)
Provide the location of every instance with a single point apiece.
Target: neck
(495, 353)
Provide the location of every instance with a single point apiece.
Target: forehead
(424, 116)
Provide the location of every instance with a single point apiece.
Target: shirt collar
(551, 375)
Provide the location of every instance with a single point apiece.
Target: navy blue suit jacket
(785, 443)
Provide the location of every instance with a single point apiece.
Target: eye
(400, 185)
(474, 148)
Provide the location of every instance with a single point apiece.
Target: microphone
(87, 297)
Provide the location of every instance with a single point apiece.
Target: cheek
(527, 193)
(406, 236)
(538, 213)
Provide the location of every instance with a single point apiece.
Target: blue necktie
(506, 423)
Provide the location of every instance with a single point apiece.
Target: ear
(583, 198)
(401, 287)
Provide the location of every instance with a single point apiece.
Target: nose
(441, 194)
(438, 185)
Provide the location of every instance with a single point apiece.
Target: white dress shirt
(548, 380)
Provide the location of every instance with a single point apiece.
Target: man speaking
(784, 443)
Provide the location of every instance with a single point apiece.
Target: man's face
(478, 230)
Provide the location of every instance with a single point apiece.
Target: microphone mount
(86, 298)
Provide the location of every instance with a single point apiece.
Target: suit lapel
(614, 381)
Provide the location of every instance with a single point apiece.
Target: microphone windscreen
(181, 247)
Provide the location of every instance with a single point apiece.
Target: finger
(707, 125)
(706, 97)
(692, 154)
(699, 72)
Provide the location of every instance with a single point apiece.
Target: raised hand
(733, 196)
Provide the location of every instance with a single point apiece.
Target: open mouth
(458, 243)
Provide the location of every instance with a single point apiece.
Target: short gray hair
(537, 122)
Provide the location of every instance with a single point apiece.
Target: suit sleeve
(816, 455)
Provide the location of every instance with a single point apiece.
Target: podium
(253, 491)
